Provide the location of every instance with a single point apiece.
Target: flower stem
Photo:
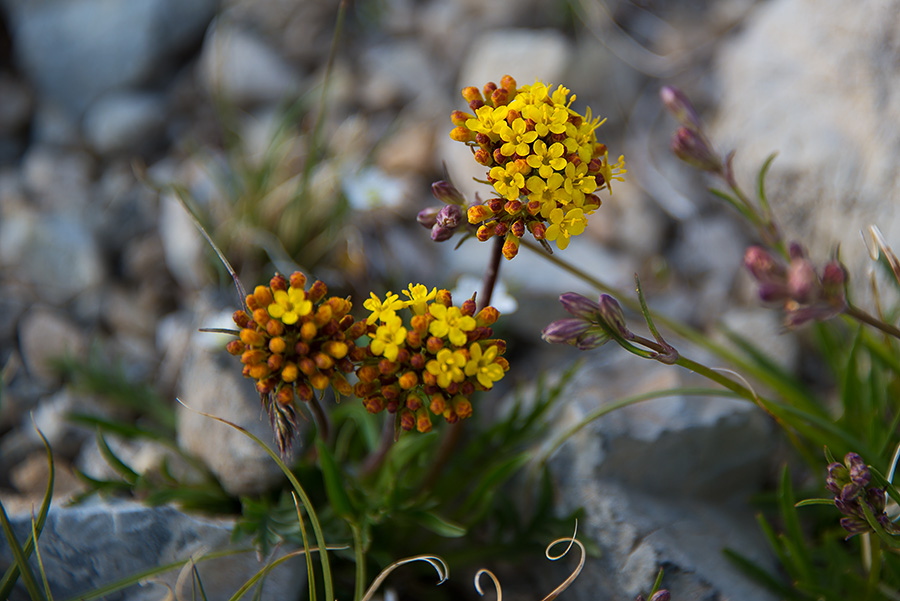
(359, 556)
(873, 321)
(321, 417)
(490, 275)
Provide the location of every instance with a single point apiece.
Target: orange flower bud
(253, 356)
(307, 366)
(423, 422)
(434, 344)
(304, 391)
(263, 296)
(471, 93)
(261, 316)
(533, 207)
(413, 402)
(252, 337)
(356, 330)
(408, 380)
(460, 117)
(319, 381)
(462, 407)
(298, 280)
(235, 347)
(511, 246)
(443, 297)
(486, 231)
(407, 420)
(450, 416)
(488, 89)
(484, 157)
(461, 133)
(317, 291)
(429, 379)
(487, 316)
(539, 231)
(259, 371)
(438, 404)
(277, 345)
(241, 319)
(251, 302)
(275, 362)
(323, 361)
(478, 213)
(336, 349)
(341, 385)
(508, 83)
(290, 373)
(367, 373)
(374, 404)
(413, 338)
(285, 395)
(274, 327)
(266, 386)
(468, 306)
(363, 389)
(387, 367)
(339, 306)
(278, 282)
(417, 362)
(323, 315)
(518, 228)
(308, 331)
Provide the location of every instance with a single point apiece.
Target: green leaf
(21, 558)
(117, 464)
(760, 575)
(334, 483)
(438, 525)
(761, 185)
(806, 502)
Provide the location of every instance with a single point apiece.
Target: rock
(183, 244)
(241, 466)
(55, 253)
(397, 73)
(92, 545)
(125, 122)
(57, 179)
(74, 51)
(830, 116)
(409, 151)
(45, 335)
(664, 483)
(31, 475)
(15, 110)
(242, 69)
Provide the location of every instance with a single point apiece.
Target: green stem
(873, 321)
(359, 555)
(711, 374)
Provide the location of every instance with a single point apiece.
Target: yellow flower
(289, 306)
(508, 181)
(382, 310)
(451, 323)
(488, 120)
(388, 337)
(611, 172)
(482, 366)
(578, 182)
(447, 367)
(545, 159)
(418, 297)
(548, 119)
(517, 138)
(565, 225)
(548, 191)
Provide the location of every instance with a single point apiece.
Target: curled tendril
(493, 578)
(568, 581)
(433, 560)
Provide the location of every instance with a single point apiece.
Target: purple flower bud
(678, 104)
(859, 471)
(565, 331)
(611, 314)
(771, 292)
(661, 595)
(593, 338)
(428, 217)
(447, 193)
(802, 281)
(579, 306)
(796, 251)
(450, 216)
(692, 147)
(833, 278)
(440, 234)
(762, 265)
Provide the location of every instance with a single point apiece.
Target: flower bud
(478, 213)
(611, 314)
(678, 104)
(762, 265)
(579, 306)
(440, 233)
(692, 148)
(447, 193)
(428, 217)
(593, 338)
(661, 595)
(565, 331)
(802, 281)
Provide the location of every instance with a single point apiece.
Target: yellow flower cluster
(543, 161)
(431, 363)
(294, 341)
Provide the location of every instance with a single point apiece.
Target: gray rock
(183, 245)
(124, 122)
(397, 73)
(92, 545)
(57, 178)
(15, 110)
(212, 383)
(55, 253)
(831, 116)
(75, 51)
(664, 483)
(242, 69)
(45, 335)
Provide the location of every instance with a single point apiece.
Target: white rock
(124, 122)
(816, 83)
(57, 178)
(243, 69)
(183, 244)
(46, 335)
